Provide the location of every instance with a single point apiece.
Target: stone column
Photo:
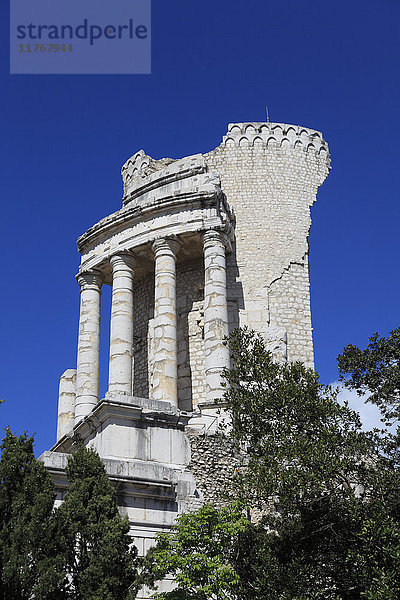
(66, 403)
(88, 361)
(165, 369)
(215, 313)
(121, 331)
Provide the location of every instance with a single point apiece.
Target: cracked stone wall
(271, 189)
(289, 304)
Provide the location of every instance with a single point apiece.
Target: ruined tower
(201, 245)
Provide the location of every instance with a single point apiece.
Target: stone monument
(200, 246)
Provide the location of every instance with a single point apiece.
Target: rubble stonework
(200, 246)
(214, 463)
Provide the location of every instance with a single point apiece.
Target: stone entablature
(181, 199)
(165, 182)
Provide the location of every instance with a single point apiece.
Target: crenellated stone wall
(270, 174)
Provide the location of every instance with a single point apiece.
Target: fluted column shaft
(165, 370)
(215, 313)
(121, 329)
(88, 360)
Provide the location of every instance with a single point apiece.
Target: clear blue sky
(331, 66)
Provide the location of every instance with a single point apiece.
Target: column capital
(213, 236)
(90, 280)
(123, 261)
(169, 246)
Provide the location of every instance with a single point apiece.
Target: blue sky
(331, 66)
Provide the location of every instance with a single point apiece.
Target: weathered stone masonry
(201, 245)
(214, 463)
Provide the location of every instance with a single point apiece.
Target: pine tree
(30, 566)
(100, 562)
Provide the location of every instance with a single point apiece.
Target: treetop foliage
(199, 552)
(327, 494)
(299, 439)
(375, 369)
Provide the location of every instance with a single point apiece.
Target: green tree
(311, 469)
(327, 525)
(30, 566)
(375, 369)
(199, 553)
(301, 443)
(100, 562)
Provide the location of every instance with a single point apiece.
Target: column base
(209, 418)
(127, 427)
